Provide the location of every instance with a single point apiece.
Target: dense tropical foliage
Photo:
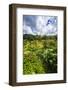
(40, 54)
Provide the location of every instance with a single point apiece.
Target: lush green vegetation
(40, 54)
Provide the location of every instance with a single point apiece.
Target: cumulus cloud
(27, 29)
(40, 25)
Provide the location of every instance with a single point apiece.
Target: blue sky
(40, 25)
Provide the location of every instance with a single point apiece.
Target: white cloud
(27, 29)
(40, 24)
(44, 29)
(41, 27)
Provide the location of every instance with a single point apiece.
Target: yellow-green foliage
(40, 56)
